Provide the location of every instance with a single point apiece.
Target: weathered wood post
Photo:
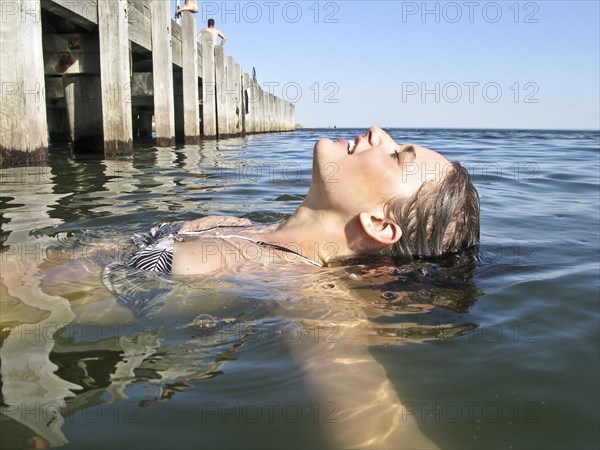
(162, 67)
(275, 119)
(261, 111)
(258, 125)
(221, 85)
(231, 95)
(256, 102)
(289, 117)
(261, 128)
(286, 116)
(209, 112)
(189, 64)
(265, 105)
(293, 117)
(271, 118)
(275, 113)
(229, 92)
(113, 31)
(239, 104)
(270, 112)
(279, 114)
(248, 111)
(23, 126)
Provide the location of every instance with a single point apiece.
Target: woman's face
(354, 180)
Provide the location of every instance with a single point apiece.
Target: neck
(316, 234)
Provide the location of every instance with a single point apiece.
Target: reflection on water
(30, 317)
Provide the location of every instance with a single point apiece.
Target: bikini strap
(261, 243)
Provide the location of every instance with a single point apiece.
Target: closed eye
(409, 154)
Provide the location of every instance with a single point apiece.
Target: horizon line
(449, 128)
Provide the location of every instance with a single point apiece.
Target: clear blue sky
(468, 64)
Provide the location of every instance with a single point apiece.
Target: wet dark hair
(442, 217)
(211, 22)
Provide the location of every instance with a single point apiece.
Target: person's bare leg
(189, 5)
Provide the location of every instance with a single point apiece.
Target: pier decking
(98, 72)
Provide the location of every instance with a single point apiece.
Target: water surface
(498, 353)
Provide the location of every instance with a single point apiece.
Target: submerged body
(216, 244)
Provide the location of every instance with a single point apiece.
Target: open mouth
(351, 147)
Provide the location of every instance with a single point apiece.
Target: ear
(379, 228)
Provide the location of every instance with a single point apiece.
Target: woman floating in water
(366, 197)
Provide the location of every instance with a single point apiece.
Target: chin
(322, 144)
(324, 151)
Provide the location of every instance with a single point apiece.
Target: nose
(375, 136)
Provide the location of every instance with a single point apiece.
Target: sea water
(497, 351)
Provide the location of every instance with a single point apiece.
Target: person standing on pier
(188, 5)
(214, 31)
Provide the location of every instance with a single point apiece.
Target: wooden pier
(97, 73)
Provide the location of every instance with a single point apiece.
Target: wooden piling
(293, 116)
(262, 125)
(260, 106)
(162, 67)
(278, 114)
(256, 104)
(209, 97)
(286, 116)
(115, 76)
(221, 86)
(270, 118)
(230, 97)
(275, 114)
(264, 101)
(271, 112)
(239, 113)
(189, 55)
(23, 121)
(248, 110)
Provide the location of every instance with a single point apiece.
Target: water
(502, 355)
